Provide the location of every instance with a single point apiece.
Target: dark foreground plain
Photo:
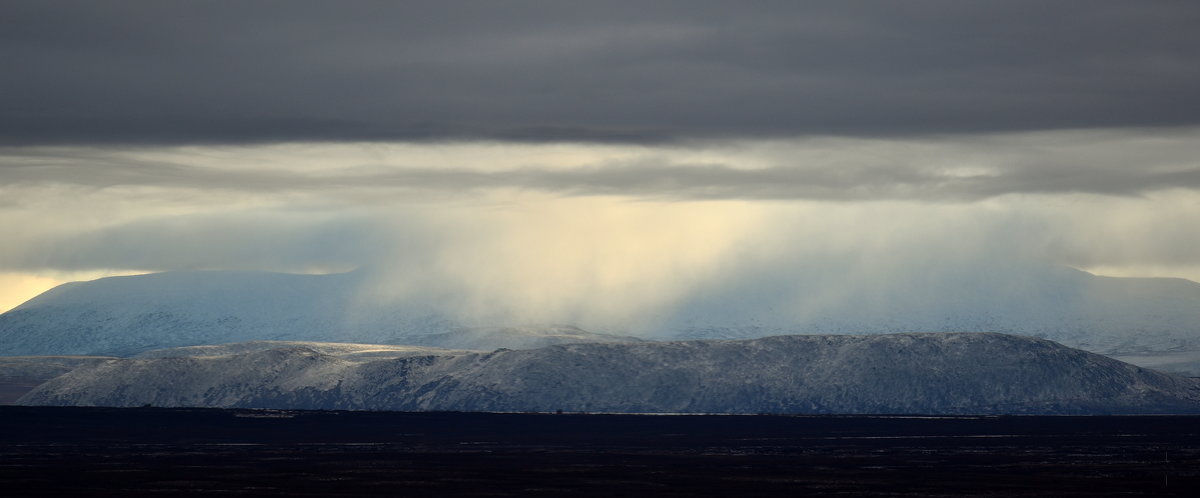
(149, 451)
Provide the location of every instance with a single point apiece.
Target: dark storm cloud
(237, 72)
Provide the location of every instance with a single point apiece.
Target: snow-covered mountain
(1101, 314)
(128, 315)
(901, 373)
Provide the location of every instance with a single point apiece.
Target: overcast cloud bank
(145, 72)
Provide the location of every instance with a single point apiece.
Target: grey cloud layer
(216, 72)
(957, 169)
(240, 240)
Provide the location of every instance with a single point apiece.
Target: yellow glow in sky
(16, 288)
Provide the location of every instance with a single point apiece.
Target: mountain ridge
(965, 373)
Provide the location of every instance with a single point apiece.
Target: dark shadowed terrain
(150, 451)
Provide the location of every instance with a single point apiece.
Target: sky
(552, 159)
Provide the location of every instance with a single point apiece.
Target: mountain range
(124, 316)
(939, 373)
(271, 340)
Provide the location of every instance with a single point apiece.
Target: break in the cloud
(197, 72)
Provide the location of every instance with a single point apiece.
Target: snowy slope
(347, 351)
(124, 316)
(128, 315)
(901, 373)
(20, 374)
(487, 338)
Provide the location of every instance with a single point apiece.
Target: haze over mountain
(128, 315)
(896, 373)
